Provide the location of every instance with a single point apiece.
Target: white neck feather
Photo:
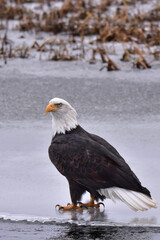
(63, 121)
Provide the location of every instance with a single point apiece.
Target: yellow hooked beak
(51, 107)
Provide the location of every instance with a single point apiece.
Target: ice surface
(121, 107)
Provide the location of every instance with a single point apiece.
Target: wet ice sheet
(31, 186)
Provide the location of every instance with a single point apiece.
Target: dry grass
(83, 18)
(80, 18)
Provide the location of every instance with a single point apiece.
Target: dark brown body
(90, 163)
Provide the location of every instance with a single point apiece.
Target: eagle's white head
(64, 116)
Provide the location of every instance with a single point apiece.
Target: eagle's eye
(58, 105)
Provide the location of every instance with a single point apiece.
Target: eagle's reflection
(89, 215)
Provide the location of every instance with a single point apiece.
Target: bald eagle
(91, 164)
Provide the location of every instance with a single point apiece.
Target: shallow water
(122, 107)
(39, 231)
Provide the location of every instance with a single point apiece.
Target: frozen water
(122, 107)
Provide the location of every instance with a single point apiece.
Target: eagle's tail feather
(135, 200)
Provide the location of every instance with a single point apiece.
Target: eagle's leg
(91, 203)
(69, 207)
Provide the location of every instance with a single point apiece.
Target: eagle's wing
(91, 164)
(105, 144)
(109, 147)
